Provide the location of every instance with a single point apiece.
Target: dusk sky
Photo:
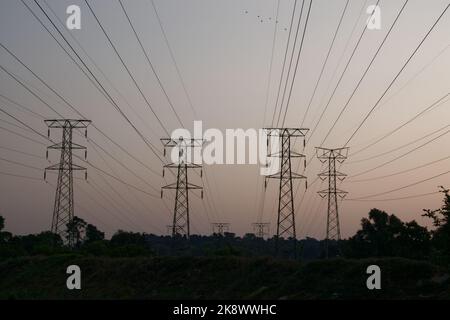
(223, 52)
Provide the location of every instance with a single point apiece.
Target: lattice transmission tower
(331, 156)
(286, 212)
(63, 210)
(261, 229)
(220, 228)
(181, 162)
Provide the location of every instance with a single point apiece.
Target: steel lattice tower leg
(181, 223)
(333, 229)
(332, 156)
(286, 212)
(181, 211)
(63, 210)
(63, 207)
(261, 229)
(286, 216)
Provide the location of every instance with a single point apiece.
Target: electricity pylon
(286, 212)
(220, 228)
(332, 192)
(261, 229)
(63, 210)
(181, 224)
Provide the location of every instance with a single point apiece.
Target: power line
(12, 124)
(104, 172)
(342, 76)
(344, 51)
(151, 64)
(296, 63)
(21, 152)
(325, 62)
(259, 197)
(329, 83)
(25, 125)
(73, 108)
(22, 136)
(403, 187)
(88, 163)
(21, 176)
(400, 156)
(20, 164)
(403, 87)
(97, 83)
(95, 77)
(274, 39)
(137, 176)
(84, 210)
(397, 75)
(399, 147)
(399, 198)
(172, 56)
(124, 166)
(290, 61)
(29, 90)
(365, 73)
(284, 61)
(126, 68)
(119, 196)
(432, 106)
(22, 106)
(71, 34)
(111, 201)
(403, 171)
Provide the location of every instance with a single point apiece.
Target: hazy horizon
(223, 52)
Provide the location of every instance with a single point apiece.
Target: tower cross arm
(72, 123)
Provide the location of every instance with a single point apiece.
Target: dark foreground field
(218, 278)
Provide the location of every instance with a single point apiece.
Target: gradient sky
(223, 51)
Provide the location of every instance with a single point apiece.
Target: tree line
(381, 235)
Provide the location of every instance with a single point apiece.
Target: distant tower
(220, 228)
(286, 213)
(332, 193)
(63, 211)
(261, 229)
(181, 224)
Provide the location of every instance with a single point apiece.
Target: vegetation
(414, 261)
(218, 277)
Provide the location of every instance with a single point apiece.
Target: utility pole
(63, 210)
(219, 228)
(332, 192)
(286, 212)
(261, 229)
(181, 224)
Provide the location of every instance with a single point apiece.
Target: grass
(43, 277)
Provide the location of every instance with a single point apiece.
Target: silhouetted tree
(93, 234)
(386, 235)
(76, 230)
(4, 236)
(129, 244)
(121, 238)
(42, 243)
(441, 220)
